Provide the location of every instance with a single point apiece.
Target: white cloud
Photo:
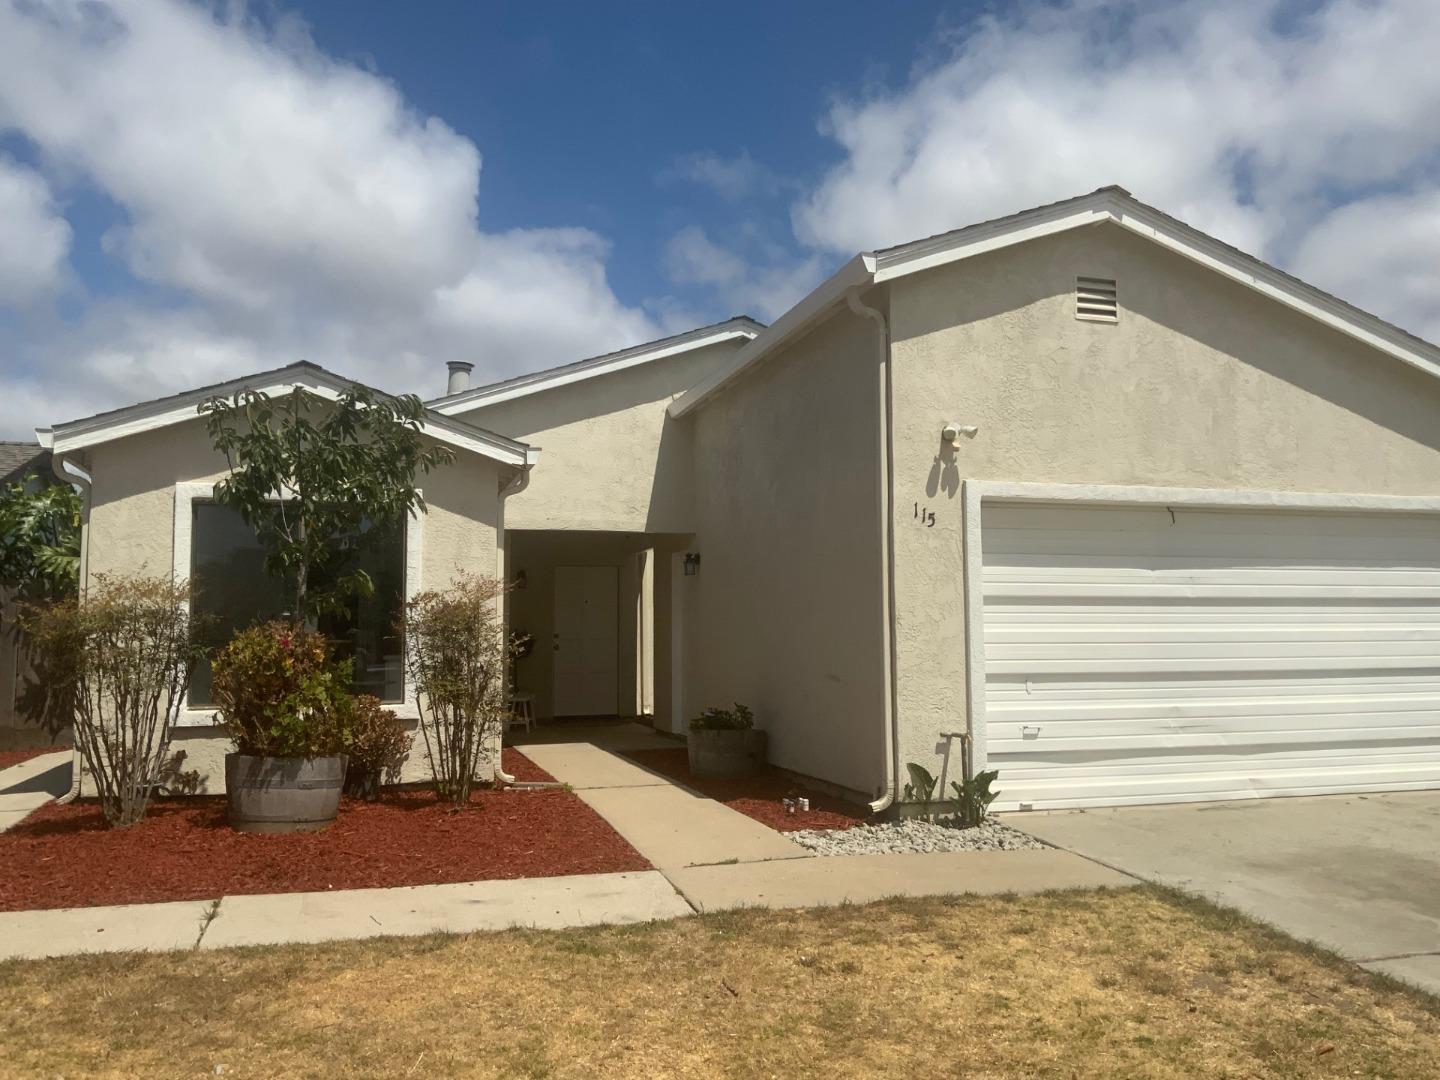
(34, 238)
(1238, 116)
(297, 205)
(749, 286)
(732, 178)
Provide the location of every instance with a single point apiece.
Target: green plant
(921, 788)
(339, 476)
(374, 741)
(739, 718)
(279, 693)
(458, 659)
(39, 541)
(973, 797)
(122, 655)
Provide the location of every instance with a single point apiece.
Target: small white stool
(522, 712)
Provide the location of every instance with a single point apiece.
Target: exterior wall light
(692, 563)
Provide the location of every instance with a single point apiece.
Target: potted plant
(375, 744)
(283, 702)
(724, 743)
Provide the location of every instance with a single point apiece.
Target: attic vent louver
(1095, 299)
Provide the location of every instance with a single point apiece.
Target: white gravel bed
(912, 835)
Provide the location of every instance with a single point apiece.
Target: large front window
(231, 588)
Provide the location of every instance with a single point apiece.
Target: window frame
(186, 495)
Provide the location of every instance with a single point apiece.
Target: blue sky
(189, 191)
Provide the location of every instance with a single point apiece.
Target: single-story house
(1148, 518)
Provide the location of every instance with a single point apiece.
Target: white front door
(587, 653)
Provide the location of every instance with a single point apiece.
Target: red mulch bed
(760, 797)
(64, 856)
(522, 768)
(15, 757)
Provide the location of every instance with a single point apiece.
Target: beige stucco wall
(610, 457)
(789, 610)
(1202, 383)
(132, 520)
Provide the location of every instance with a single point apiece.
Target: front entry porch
(604, 614)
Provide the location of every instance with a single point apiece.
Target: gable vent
(1095, 299)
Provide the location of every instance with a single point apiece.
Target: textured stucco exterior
(789, 614)
(611, 458)
(131, 530)
(1201, 383)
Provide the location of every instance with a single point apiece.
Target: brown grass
(1134, 983)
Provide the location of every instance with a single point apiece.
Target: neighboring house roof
(21, 459)
(177, 408)
(1108, 204)
(740, 326)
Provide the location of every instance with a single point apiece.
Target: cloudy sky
(189, 192)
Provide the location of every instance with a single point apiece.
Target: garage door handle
(1029, 731)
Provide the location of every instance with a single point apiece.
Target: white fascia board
(926, 255)
(859, 271)
(1280, 287)
(141, 418)
(481, 397)
(1190, 243)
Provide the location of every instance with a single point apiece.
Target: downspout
(887, 546)
(517, 484)
(68, 472)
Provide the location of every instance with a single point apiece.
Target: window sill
(209, 718)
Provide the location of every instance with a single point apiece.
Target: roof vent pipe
(459, 376)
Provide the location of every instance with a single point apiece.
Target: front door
(587, 645)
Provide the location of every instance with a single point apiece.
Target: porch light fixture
(692, 563)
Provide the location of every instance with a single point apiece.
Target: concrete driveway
(1359, 874)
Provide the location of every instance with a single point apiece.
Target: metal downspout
(887, 543)
(70, 473)
(520, 482)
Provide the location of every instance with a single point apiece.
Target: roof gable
(738, 327)
(178, 408)
(1109, 204)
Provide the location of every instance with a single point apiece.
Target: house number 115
(925, 516)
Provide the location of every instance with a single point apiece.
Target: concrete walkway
(1359, 874)
(545, 903)
(670, 825)
(32, 784)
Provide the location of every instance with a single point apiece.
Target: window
(229, 584)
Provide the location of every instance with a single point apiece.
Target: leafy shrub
(920, 788)
(458, 659)
(739, 718)
(122, 656)
(374, 741)
(279, 692)
(973, 797)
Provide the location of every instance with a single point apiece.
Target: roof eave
(494, 393)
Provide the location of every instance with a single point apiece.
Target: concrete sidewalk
(32, 784)
(546, 903)
(670, 825)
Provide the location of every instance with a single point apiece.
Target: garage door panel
(1136, 655)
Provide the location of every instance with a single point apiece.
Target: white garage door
(1138, 655)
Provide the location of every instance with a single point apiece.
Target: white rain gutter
(70, 473)
(887, 545)
(514, 487)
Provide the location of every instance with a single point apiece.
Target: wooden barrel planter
(283, 794)
(726, 754)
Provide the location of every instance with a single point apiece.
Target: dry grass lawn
(1134, 983)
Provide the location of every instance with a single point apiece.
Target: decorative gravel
(913, 835)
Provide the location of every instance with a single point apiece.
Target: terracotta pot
(726, 754)
(281, 794)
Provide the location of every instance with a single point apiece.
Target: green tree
(314, 478)
(39, 541)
